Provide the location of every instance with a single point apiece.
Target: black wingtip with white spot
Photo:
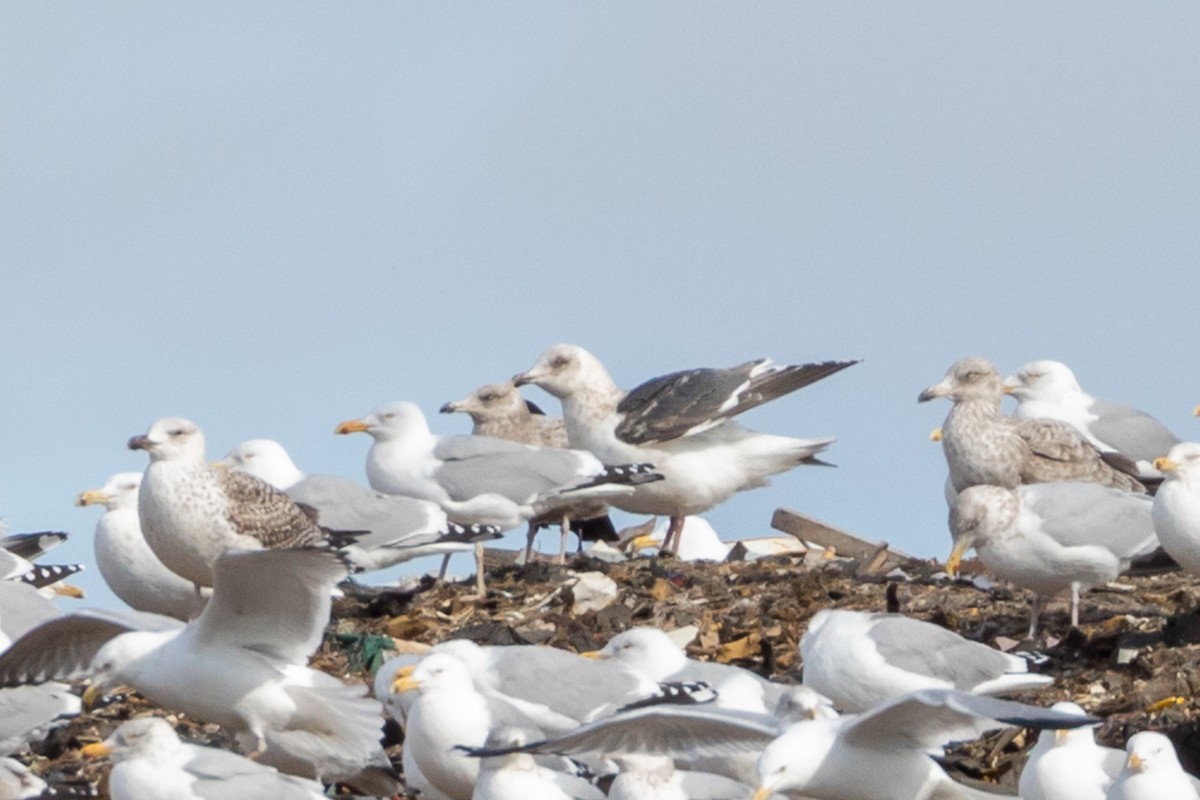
(677, 693)
(31, 545)
(469, 534)
(621, 475)
(47, 574)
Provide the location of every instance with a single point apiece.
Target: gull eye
(176, 432)
(389, 415)
(558, 362)
(487, 397)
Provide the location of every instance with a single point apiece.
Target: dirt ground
(1133, 661)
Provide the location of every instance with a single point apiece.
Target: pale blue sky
(270, 217)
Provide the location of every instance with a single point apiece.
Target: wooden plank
(809, 529)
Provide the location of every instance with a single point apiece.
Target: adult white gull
(1049, 389)
(240, 664)
(1052, 537)
(126, 562)
(151, 763)
(388, 528)
(984, 446)
(681, 423)
(481, 480)
(1152, 771)
(191, 511)
(1177, 505)
(860, 660)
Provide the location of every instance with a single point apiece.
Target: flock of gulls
(229, 568)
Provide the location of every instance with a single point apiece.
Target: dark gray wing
(1132, 433)
(693, 400)
(258, 509)
(63, 648)
(932, 717)
(666, 730)
(31, 545)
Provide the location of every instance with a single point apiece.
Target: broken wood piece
(807, 529)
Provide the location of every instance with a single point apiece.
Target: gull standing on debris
(1152, 771)
(860, 660)
(126, 562)
(1049, 389)
(498, 410)
(191, 512)
(1177, 505)
(984, 446)
(388, 528)
(479, 479)
(151, 763)
(681, 423)
(1052, 537)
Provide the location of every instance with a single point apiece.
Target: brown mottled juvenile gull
(497, 409)
(150, 761)
(191, 512)
(1052, 537)
(479, 479)
(388, 528)
(984, 446)
(681, 423)
(126, 562)
(1049, 389)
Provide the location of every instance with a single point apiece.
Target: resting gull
(126, 562)
(240, 664)
(498, 410)
(681, 423)
(860, 660)
(882, 754)
(1152, 771)
(389, 528)
(1049, 389)
(702, 543)
(516, 776)
(1177, 505)
(1052, 537)
(191, 512)
(151, 763)
(479, 479)
(18, 783)
(984, 446)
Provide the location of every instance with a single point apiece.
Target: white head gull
(191, 512)
(1152, 771)
(681, 423)
(1049, 389)
(1177, 505)
(126, 562)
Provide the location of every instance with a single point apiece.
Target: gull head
(1150, 751)
(171, 439)
(649, 652)
(494, 401)
(1182, 463)
(145, 737)
(1042, 380)
(266, 460)
(790, 762)
(562, 370)
(393, 421)
(121, 491)
(435, 672)
(967, 379)
(1069, 737)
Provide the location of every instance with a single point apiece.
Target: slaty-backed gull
(1152, 771)
(126, 562)
(1052, 537)
(681, 423)
(1177, 505)
(860, 660)
(389, 528)
(1049, 389)
(191, 512)
(150, 762)
(498, 410)
(240, 664)
(984, 446)
(479, 479)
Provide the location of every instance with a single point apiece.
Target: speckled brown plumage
(259, 510)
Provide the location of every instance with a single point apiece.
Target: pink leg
(674, 535)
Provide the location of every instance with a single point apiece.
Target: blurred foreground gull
(481, 480)
(388, 528)
(516, 776)
(984, 446)
(240, 664)
(191, 512)
(17, 782)
(1048, 389)
(126, 562)
(151, 763)
(860, 660)
(497, 409)
(1177, 505)
(1052, 537)
(1152, 771)
(681, 423)
(883, 754)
